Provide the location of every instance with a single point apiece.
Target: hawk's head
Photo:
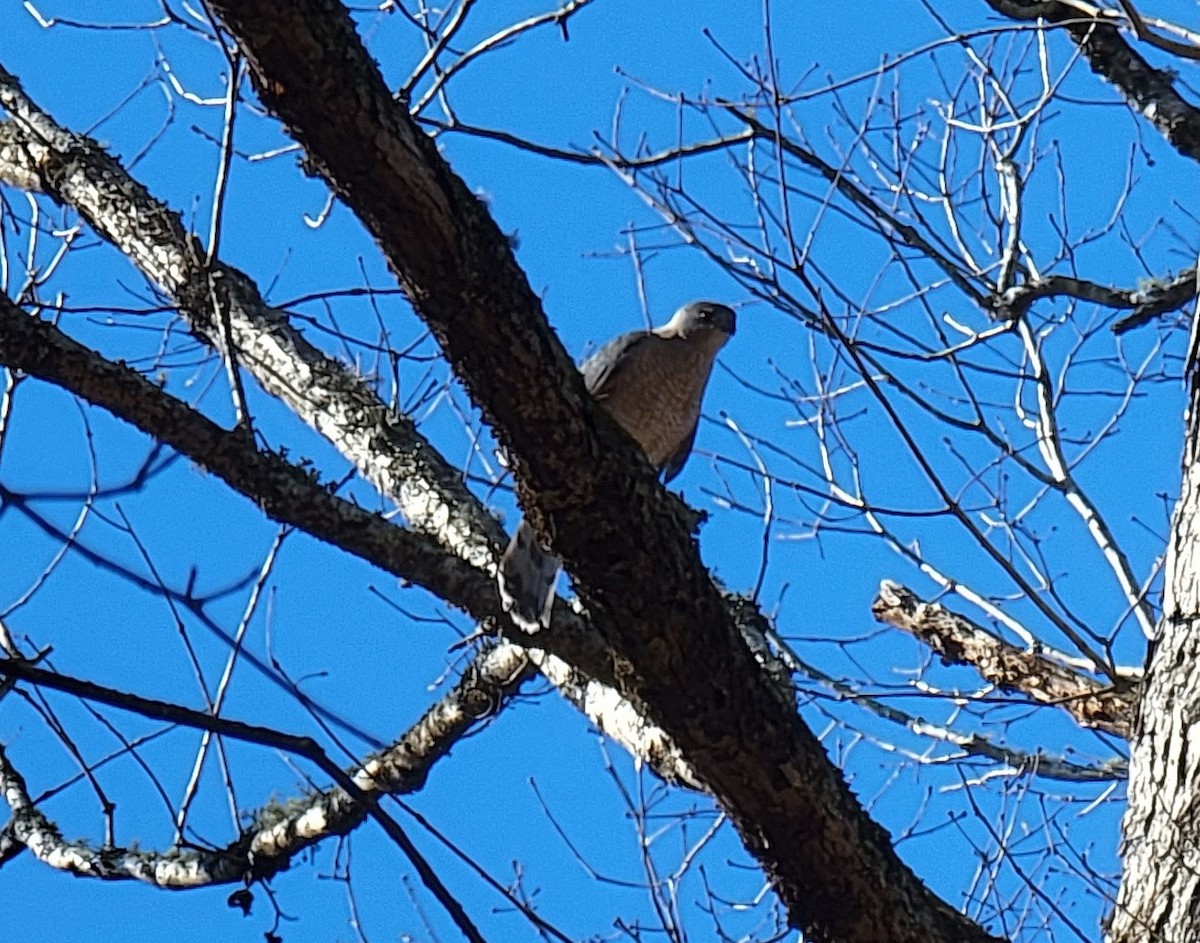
(704, 316)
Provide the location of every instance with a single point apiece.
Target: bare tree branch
(39, 835)
(1151, 91)
(37, 154)
(1145, 302)
(627, 543)
(284, 491)
(960, 641)
(1146, 34)
(279, 831)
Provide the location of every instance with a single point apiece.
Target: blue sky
(329, 619)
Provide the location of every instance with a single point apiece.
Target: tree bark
(1159, 897)
(583, 484)
(1097, 33)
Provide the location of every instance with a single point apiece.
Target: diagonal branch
(960, 641)
(1151, 91)
(37, 833)
(280, 831)
(626, 541)
(37, 154)
(287, 493)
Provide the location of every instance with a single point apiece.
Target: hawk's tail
(527, 576)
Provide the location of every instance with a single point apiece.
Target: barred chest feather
(658, 403)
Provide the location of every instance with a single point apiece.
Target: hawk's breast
(657, 396)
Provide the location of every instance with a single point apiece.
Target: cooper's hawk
(651, 383)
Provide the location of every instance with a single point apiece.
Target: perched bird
(651, 383)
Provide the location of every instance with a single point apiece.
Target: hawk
(651, 383)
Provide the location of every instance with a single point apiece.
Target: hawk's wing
(651, 383)
(602, 368)
(634, 396)
(674, 465)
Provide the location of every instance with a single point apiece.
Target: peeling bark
(960, 641)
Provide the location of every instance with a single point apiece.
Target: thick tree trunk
(627, 543)
(1159, 899)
